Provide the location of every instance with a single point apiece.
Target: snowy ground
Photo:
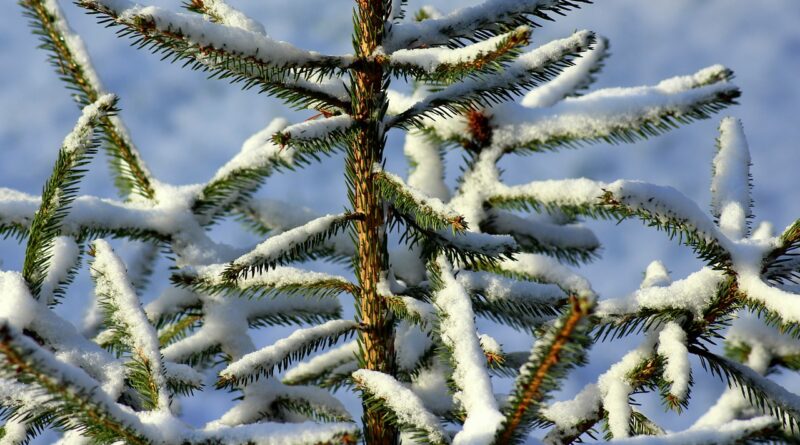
(186, 126)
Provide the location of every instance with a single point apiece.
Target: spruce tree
(413, 353)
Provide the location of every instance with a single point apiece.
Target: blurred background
(187, 126)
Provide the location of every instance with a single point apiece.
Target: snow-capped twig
(125, 315)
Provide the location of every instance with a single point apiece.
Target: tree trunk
(366, 149)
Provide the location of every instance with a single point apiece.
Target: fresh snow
(201, 33)
(404, 404)
(427, 166)
(77, 141)
(274, 354)
(730, 186)
(276, 245)
(232, 17)
(677, 370)
(321, 363)
(461, 23)
(570, 80)
(694, 294)
(517, 72)
(257, 150)
(19, 308)
(731, 432)
(458, 333)
(548, 270)
(319, 128)
(112, 283)
(64, 256)
(432, 59)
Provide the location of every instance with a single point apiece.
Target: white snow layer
(427, 166)
(730, 186)
(406, 406)
(111, 281)
(463, 22)
(235, 40)
(730, 432)
(18, 308)
(232, 17)
(677, 370)
(272, 355)
(276, 245)
(570, 80)
(78, 139)
(257, 150)
(457, 326)
(432, 59)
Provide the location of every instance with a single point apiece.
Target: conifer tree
(424, 260)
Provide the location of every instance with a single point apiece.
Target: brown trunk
(377, 334)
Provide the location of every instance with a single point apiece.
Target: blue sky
(187, 126)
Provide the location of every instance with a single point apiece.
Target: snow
(656, 275)
(750, 330)
(570, 413)
(548, 270)
(611, 392)
(183, 373)
(420, 197)
(616, 388)
(432, 59)
(279, 277)
(563, 236)
(517, 73)
(677, 370)
(316, 129)
(322, 363)
(273, 433)
(404, 404)
(730, 186)
(431, 385)
(18, 308)
(60, 374)
(667, 204)
(555, 192)
(258, 150)
(655, 253)
(267, 358)
(235, 40)
(410, 345)
(427, 167)
(77, 141)
(693, 293)
(731, 432)
(601, 113)
(64, 256)
(733, 403)
(275, 246)
(227, 319)
(497, 288)
(570, 80)
(457, 327)
(785, 304)
(461, 23)
(112, 284)
(231, 16)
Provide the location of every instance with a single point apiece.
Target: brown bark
(377, 334)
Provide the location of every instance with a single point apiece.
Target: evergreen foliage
(505, 253)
